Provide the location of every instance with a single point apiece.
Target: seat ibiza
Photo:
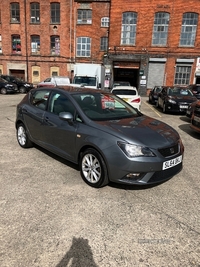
(109, 139)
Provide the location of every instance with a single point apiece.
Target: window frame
(37, 47)
(55, 51)
(129, 28)
(84, 16)
(80, 45)
(14, 12)
(35, 12)
(159, 36)
(105, 21)
(182, 75)
(188, 38)
(104, 43)
(18, 44)
(55, 13)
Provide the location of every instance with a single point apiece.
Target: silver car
(109, 139)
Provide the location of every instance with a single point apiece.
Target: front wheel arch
(93, 168)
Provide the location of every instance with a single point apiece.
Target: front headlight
(172, 101)
(135, 151)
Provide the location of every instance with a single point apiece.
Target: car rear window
(124, 92)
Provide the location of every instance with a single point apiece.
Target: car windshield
(157, 89)
(179, 92)
(3, 80)
(121, 84)
(104, 106)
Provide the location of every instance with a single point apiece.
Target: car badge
(172, 150)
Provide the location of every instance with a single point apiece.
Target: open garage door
(127, 71)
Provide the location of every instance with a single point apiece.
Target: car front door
(60, 135)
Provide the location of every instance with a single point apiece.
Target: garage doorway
(18, 73)
(127, 71)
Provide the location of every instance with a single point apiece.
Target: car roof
(71, 89)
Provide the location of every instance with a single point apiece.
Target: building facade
(145, 42)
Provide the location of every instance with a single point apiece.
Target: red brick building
(147, 42)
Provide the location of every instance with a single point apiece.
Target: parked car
(175, 99)
(195, 120)
(190, 109)
(153, 94)
(121, 83)
(128, 94)
(195, 88)
(22, 86)
(54, 81)
(109, 139)
(7, 87)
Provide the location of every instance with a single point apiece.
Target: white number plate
(196, 118)
(172, 162)
(183, 106)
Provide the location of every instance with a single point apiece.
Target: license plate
(125, 99)
(172, 162)
(196, 118)
(183, 106)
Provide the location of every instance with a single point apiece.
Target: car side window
(39, 99)
(60, 103)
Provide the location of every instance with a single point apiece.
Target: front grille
(170, 151)
(166, 174)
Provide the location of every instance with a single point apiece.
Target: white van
(55, 81)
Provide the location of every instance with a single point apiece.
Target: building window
(188, 29)
(14, 13)
(83, 47)
(35, 13)
(182, 75)
(104, 44)
(55, 45)
(35, 44)
(55, 13)
(128, 32)
(160, 28)
(84, 16)
(16, 44)
(105, 22)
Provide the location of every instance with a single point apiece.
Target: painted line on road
(153, 109)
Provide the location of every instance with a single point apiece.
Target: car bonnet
(142, 130)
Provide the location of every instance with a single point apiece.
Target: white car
(128, 94)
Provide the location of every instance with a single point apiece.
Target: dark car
(175, 99)
(23, 87)
(108, 138)
(195, 88)
(153, 94)
(195, 120)
(7, 87)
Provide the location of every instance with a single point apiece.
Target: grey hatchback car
(109, 139)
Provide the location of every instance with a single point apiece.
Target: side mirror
(67, 116)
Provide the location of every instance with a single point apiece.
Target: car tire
(22, 89)
(22, 136)
(3, 91)
(93, 168)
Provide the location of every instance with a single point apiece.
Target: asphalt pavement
(51, 218)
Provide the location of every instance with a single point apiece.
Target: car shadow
(58, 158)
(136, 187)
(186, 128)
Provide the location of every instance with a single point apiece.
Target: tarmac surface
(51, 218)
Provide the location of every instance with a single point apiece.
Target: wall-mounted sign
(141, 72)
